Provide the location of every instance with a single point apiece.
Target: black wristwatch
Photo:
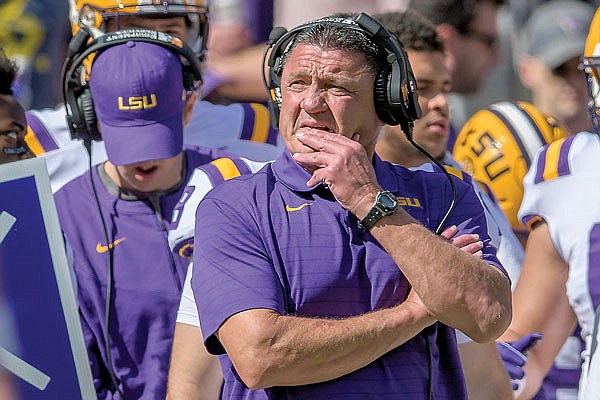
(385, 204)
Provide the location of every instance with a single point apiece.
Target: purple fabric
(563, 156)
(268, 241)
(541, 165)
(41, 132)
(248, 125)
(147, 281)
(139, 97)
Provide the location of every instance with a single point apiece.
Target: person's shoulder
(430, 174)
(220, 125)
(77, 190)
(566, 158)
(47, 130)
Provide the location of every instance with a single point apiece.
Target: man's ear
(528, 71)
(190, 103)
(449, 36)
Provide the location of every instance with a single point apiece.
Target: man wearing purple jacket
(319, 277)
(116, 218)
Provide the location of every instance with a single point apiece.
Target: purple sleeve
(469, 216)
(233, 271)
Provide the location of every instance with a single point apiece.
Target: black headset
(396, 100)
(81, 117)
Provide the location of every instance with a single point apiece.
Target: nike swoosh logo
(300, 207)
(103, 249)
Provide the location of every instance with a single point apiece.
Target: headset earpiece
(81, 117)
(396, 101)
(85, 104)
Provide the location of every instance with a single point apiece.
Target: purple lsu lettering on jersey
(147, 279)
(268, 241)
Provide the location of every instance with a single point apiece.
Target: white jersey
(510, 252)
(181, 236)
(562, 188)
(242, 129)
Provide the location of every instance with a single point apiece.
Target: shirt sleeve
(233, 270)
(187, 312)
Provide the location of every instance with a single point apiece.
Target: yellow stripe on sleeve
(551, 166)
(260, 131)
(456, 172)
(33, 143)
(226, 167)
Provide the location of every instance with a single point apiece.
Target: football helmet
(590, 65)
(96, 13)
(497, 145)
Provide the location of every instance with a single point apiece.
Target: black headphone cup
(395, 95)
(85, 104)
(381, 95)
(189, 79)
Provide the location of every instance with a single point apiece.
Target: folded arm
(278, 350)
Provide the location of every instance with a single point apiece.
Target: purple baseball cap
(139, 98)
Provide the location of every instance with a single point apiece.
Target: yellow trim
(226, 167)
(552, 155)
(33, 143)
(260, 131)
(300, 207)
(456, 172)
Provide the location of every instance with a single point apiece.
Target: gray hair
(332, 34)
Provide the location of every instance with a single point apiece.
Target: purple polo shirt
(267, 241)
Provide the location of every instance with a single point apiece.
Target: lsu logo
(137, 103)
(408, 202)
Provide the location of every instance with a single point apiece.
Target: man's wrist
(385, 204)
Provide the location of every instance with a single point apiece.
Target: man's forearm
(289, 350)
(193, 374)
(458, 289)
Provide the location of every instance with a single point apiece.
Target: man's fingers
(324, 141)
(449, 232)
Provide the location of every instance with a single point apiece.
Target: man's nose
(314, 101)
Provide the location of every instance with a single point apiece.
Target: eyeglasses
(488, 40)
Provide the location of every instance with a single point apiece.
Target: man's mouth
(144, 171)
(318, 127)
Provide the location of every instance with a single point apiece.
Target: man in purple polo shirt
(319, 276)
(116, 218)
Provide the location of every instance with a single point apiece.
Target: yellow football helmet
(591, 67)
(95, 14)
(497, 145)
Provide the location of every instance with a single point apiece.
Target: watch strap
(378, 211)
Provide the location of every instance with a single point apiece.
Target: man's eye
(338, 90)
(296, 85)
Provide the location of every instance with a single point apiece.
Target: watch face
(388, 201)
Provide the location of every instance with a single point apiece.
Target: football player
(241, 128)
(558, 284)
(496, 146)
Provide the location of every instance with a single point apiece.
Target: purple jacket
(147, 279)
